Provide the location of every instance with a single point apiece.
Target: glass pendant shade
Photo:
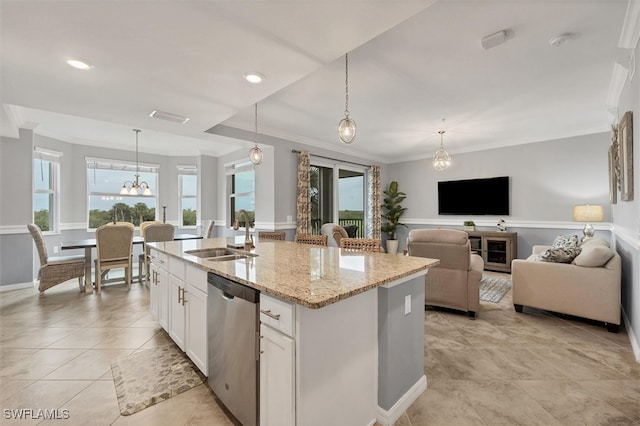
(347, 130)
(441, 159)
(255, 155)
(346, 127)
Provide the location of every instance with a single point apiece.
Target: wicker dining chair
(55, 270)
(272, 235)
(144, 225)
(318, 240)
(113, 250)
(360, 244)
(155, 232)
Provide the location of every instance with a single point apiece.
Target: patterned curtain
(374, 212)
(303, 200)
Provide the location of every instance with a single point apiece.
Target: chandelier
(255, 155)
(346, 127)
(442, 159)
(135, 187)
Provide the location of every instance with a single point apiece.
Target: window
(188, 202)
(338, 191)
(241, 189)
(105, 203)
(46, 172)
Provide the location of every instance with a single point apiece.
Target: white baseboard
(388, 418)
(632, 337)
(18, 286)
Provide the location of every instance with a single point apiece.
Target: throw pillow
(594, 255)
(562, 241)
(560, 254)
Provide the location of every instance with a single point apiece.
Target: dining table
(90, 243)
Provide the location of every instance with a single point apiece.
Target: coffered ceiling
(411, 64)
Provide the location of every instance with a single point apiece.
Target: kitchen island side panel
(400, 340)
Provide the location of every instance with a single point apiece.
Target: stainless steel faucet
(248, 241)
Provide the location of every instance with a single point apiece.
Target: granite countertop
(308, 275)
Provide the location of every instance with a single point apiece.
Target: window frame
(231, 169)
(120, 165)
(54, 159)
(187, 171)
(337, 166)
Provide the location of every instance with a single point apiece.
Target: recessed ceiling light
(79, 64)
(169, 116)
(253, 77)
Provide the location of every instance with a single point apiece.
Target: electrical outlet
(407, 304)
(289, 219)
(55, 249)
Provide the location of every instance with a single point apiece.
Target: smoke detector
(560, 39)
(493, 40)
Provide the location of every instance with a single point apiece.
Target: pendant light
(442, 159)
(135, 187)
(346, 127)
(255, 155)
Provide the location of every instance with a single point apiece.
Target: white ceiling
(411, 63)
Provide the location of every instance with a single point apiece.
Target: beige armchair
(455, 282)
(55, 270)
(334, 233)
(113, 250)
(155, 232)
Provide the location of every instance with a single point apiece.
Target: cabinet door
(197, 328)
(277, 378)
(162, 280)
(497, 253)
(177, 311)
(153, 291)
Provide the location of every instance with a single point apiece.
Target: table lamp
(588, 213)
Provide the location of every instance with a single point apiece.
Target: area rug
(493, 289)
(151, 376)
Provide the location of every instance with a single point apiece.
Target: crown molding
(631, 26)
(618, 80)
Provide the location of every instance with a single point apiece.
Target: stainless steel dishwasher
(233, 323)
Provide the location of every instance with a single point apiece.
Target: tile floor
(503, 368)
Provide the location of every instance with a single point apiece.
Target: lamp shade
(588, 213)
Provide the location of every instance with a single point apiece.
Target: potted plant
(392, 211)
(469, 225)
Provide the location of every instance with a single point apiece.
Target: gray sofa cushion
(560, 255)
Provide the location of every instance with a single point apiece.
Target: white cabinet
(277, 377)
(177, 311)
(196, 327)
(277, 362)
(159, 287)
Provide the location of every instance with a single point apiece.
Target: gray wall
(400, 340)
(626, 216)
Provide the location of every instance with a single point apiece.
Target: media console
(496, 248)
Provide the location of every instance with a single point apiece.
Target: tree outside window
(46, 165)
(188, 187)
(241, 190)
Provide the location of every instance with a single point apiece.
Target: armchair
(334, 233)
(455, 282)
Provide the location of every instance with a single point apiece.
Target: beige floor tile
(569, 403)
(624, 395)
(39, 364)
(576, 364)
(97, 405)
(518, 362)
(8, 387)
(468, 364)
(90, 365)
(84, 338)
(37, 337)
(442, 404)
(44, 394)
(501, 403)
(128, 338)
(433, 368)
(211, 411)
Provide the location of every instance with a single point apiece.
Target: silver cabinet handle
(271, 315)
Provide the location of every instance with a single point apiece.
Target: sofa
(455, 282)
(586, 285)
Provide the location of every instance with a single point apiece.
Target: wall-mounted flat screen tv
(474, 197)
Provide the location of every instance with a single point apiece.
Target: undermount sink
(219, 254)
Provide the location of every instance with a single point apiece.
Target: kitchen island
(341, 333)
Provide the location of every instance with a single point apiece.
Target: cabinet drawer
(277, 313)
(197, 278)
(160, 259)
(176, 267)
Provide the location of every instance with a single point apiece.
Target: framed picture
(625, 156)
(613, 175)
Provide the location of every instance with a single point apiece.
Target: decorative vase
(392, 246)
